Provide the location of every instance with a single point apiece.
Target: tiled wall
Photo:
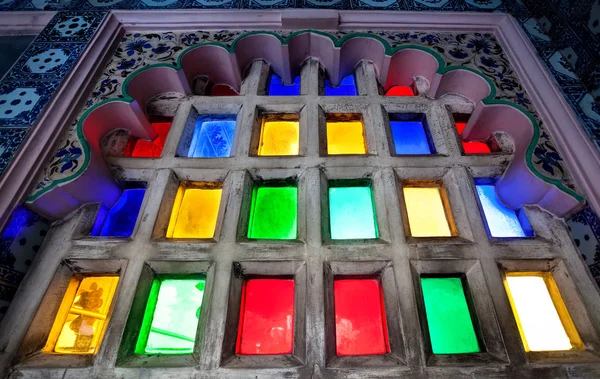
(27, 88)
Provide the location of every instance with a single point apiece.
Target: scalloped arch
(225, 63)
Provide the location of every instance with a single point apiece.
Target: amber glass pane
(279, 138)
(194, 213)
(83, 315)
(426, 215)
(346, 137)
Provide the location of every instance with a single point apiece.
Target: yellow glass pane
(279, 138)
(535, 309)
(83, 315)
(426, 216)
(347, 137)
(194, 213)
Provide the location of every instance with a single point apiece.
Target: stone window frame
(56, 247)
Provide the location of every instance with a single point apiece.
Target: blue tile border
(71, 27)
(21, 102)
(46, 61)
(10, 141)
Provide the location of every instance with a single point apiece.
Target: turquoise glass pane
(213, 136)
(346, 88)
(501, 220)
(277, 88)
(352, 213)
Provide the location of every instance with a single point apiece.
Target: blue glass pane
(346, 88)
(409, 137)
(213, 136)
(277, 88)
(501, 220)
(121, 218)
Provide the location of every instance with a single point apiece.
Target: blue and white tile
(46, 5)
(71, 27)
(326, 4)
(267, 4)
(103, 5)
(47, 60)
(212, 4)
(433, 5)
(10, 141)
(6, 5)
(377, 4)
(21, 102)
(482, 5)
(157, 4)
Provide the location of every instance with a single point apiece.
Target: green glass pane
(171, 317)
(352, 213)
(273, 213)
(450, 326)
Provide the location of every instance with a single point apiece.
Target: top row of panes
(276, 87)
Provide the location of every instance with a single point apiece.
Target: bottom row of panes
(267, 315)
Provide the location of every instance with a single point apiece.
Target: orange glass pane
(400, 91)
(152, 149)
(83, 315)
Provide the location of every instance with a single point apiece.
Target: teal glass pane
(171, 317)
(352, 213)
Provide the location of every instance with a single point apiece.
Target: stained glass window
(171, 317)
(471, 147)
(360, 325)
(500, 219)
(400, 91)
(542, 318)
(195, 210)
(276, 87)
(345, 134)
(82, 316)
(410, 133)
(426, 211)
(347, 87)
(279, 135)
(449, 320)
(140, 148)
(266, 317)
(213, 136)
(273, 211)
(352, 211)
(120, 220)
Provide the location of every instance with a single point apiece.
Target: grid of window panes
(314, 174)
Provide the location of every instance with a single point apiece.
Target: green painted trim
(337, 43)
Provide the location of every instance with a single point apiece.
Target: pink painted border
(583, 160)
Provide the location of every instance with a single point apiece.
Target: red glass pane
(152, 149)
(223, 90)
(266, 317)
(473, 147)
(360, 325)
(400, 91)
(129, 147)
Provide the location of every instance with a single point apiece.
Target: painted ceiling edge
(280, 61)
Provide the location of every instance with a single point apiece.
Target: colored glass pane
(266, 317)
(121, 218)
(346, 137)
(426, 215)
(273, 213)
(501, 220)
(194, 213)
(535, 308)
(451, 329)
(82, 316)
(409, 137)
(171, 317)
(360, 325)
(347, 87)
(352, 213)
(472, 147)
(213, 136)
(152, 149)
(223, 90)
(279, 138)
(277, 88)
(400, 91)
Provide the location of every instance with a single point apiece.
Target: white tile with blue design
(47, 61)
(10, 141)
(22, 101)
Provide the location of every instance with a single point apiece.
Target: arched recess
(394, 66)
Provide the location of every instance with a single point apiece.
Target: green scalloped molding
(337, 43)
